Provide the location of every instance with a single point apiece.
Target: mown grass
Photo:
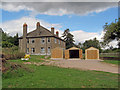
(109, 55)
(112, 61)
(55, 77)
(33, 58)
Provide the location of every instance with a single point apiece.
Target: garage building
(73, 53)
(92, 53)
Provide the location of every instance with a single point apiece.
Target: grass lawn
(33, 58)
(112, 61)
(109, 55)
(55, 77)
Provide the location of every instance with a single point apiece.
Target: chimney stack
(38, 25)
(24, 30)
(57, 33)
(52, 30)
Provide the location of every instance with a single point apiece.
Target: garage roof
(73, 48)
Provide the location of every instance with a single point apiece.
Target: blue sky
(85, 20)
(92, 22)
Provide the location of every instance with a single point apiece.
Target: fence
(110, 56)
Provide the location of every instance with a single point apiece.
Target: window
(42, 49)
(43, 40)
(27, 50)
(55, 40)
(59, 41)
(48, 39)
(33, 41)
(33, 50)
(27, 40)
(48, 49)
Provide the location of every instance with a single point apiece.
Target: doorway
(74, 53)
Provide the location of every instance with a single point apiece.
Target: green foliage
(6, 44)
(9, 41)
(68, 38)
(90, 43)
(12, 53)
(112, 32)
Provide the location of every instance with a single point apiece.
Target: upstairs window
(59, 41)
(55, 40)
(43, 40)
(27, 40)
(33, 41)
(32, 50)
(48, 39)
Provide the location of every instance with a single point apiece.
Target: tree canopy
(90, 43)
(112, 32)
(9, 41)
(68, 38)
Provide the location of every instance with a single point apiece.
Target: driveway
(85, 65)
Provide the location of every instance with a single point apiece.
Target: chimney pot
(38, 25)
(57, 33)
(52, 30)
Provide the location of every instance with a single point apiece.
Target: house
(40, 41)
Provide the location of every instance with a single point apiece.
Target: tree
(68, 38)
(9, 41)
(90, 43)
(16, 40)
(112, 32)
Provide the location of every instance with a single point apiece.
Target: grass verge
(55, 77)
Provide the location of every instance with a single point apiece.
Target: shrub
(12, 53)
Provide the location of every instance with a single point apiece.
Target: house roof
(40, 32)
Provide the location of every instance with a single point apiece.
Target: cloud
(81, 36)
(16, 26)
(59, 8)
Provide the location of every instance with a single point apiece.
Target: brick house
(40, 41)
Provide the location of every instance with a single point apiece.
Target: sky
(85, 20)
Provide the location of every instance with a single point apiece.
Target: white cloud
(59, 8)
(81, 36)
(16, 26)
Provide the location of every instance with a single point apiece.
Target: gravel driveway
(85, 65)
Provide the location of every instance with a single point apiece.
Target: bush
(12, 53)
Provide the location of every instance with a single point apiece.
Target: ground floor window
(27, 50)
(33, 50)
(42, 50)
(48, 49)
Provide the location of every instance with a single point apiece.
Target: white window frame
(32, 49)
(32, 41)
(59, 41)
(27, 50)
(49, 49)
(42, 50)
(42, 40)
(55, 40)
(48, 39)
(27, 40)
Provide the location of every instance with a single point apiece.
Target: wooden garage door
(57, 53)
(66, 54)
(92, 54)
